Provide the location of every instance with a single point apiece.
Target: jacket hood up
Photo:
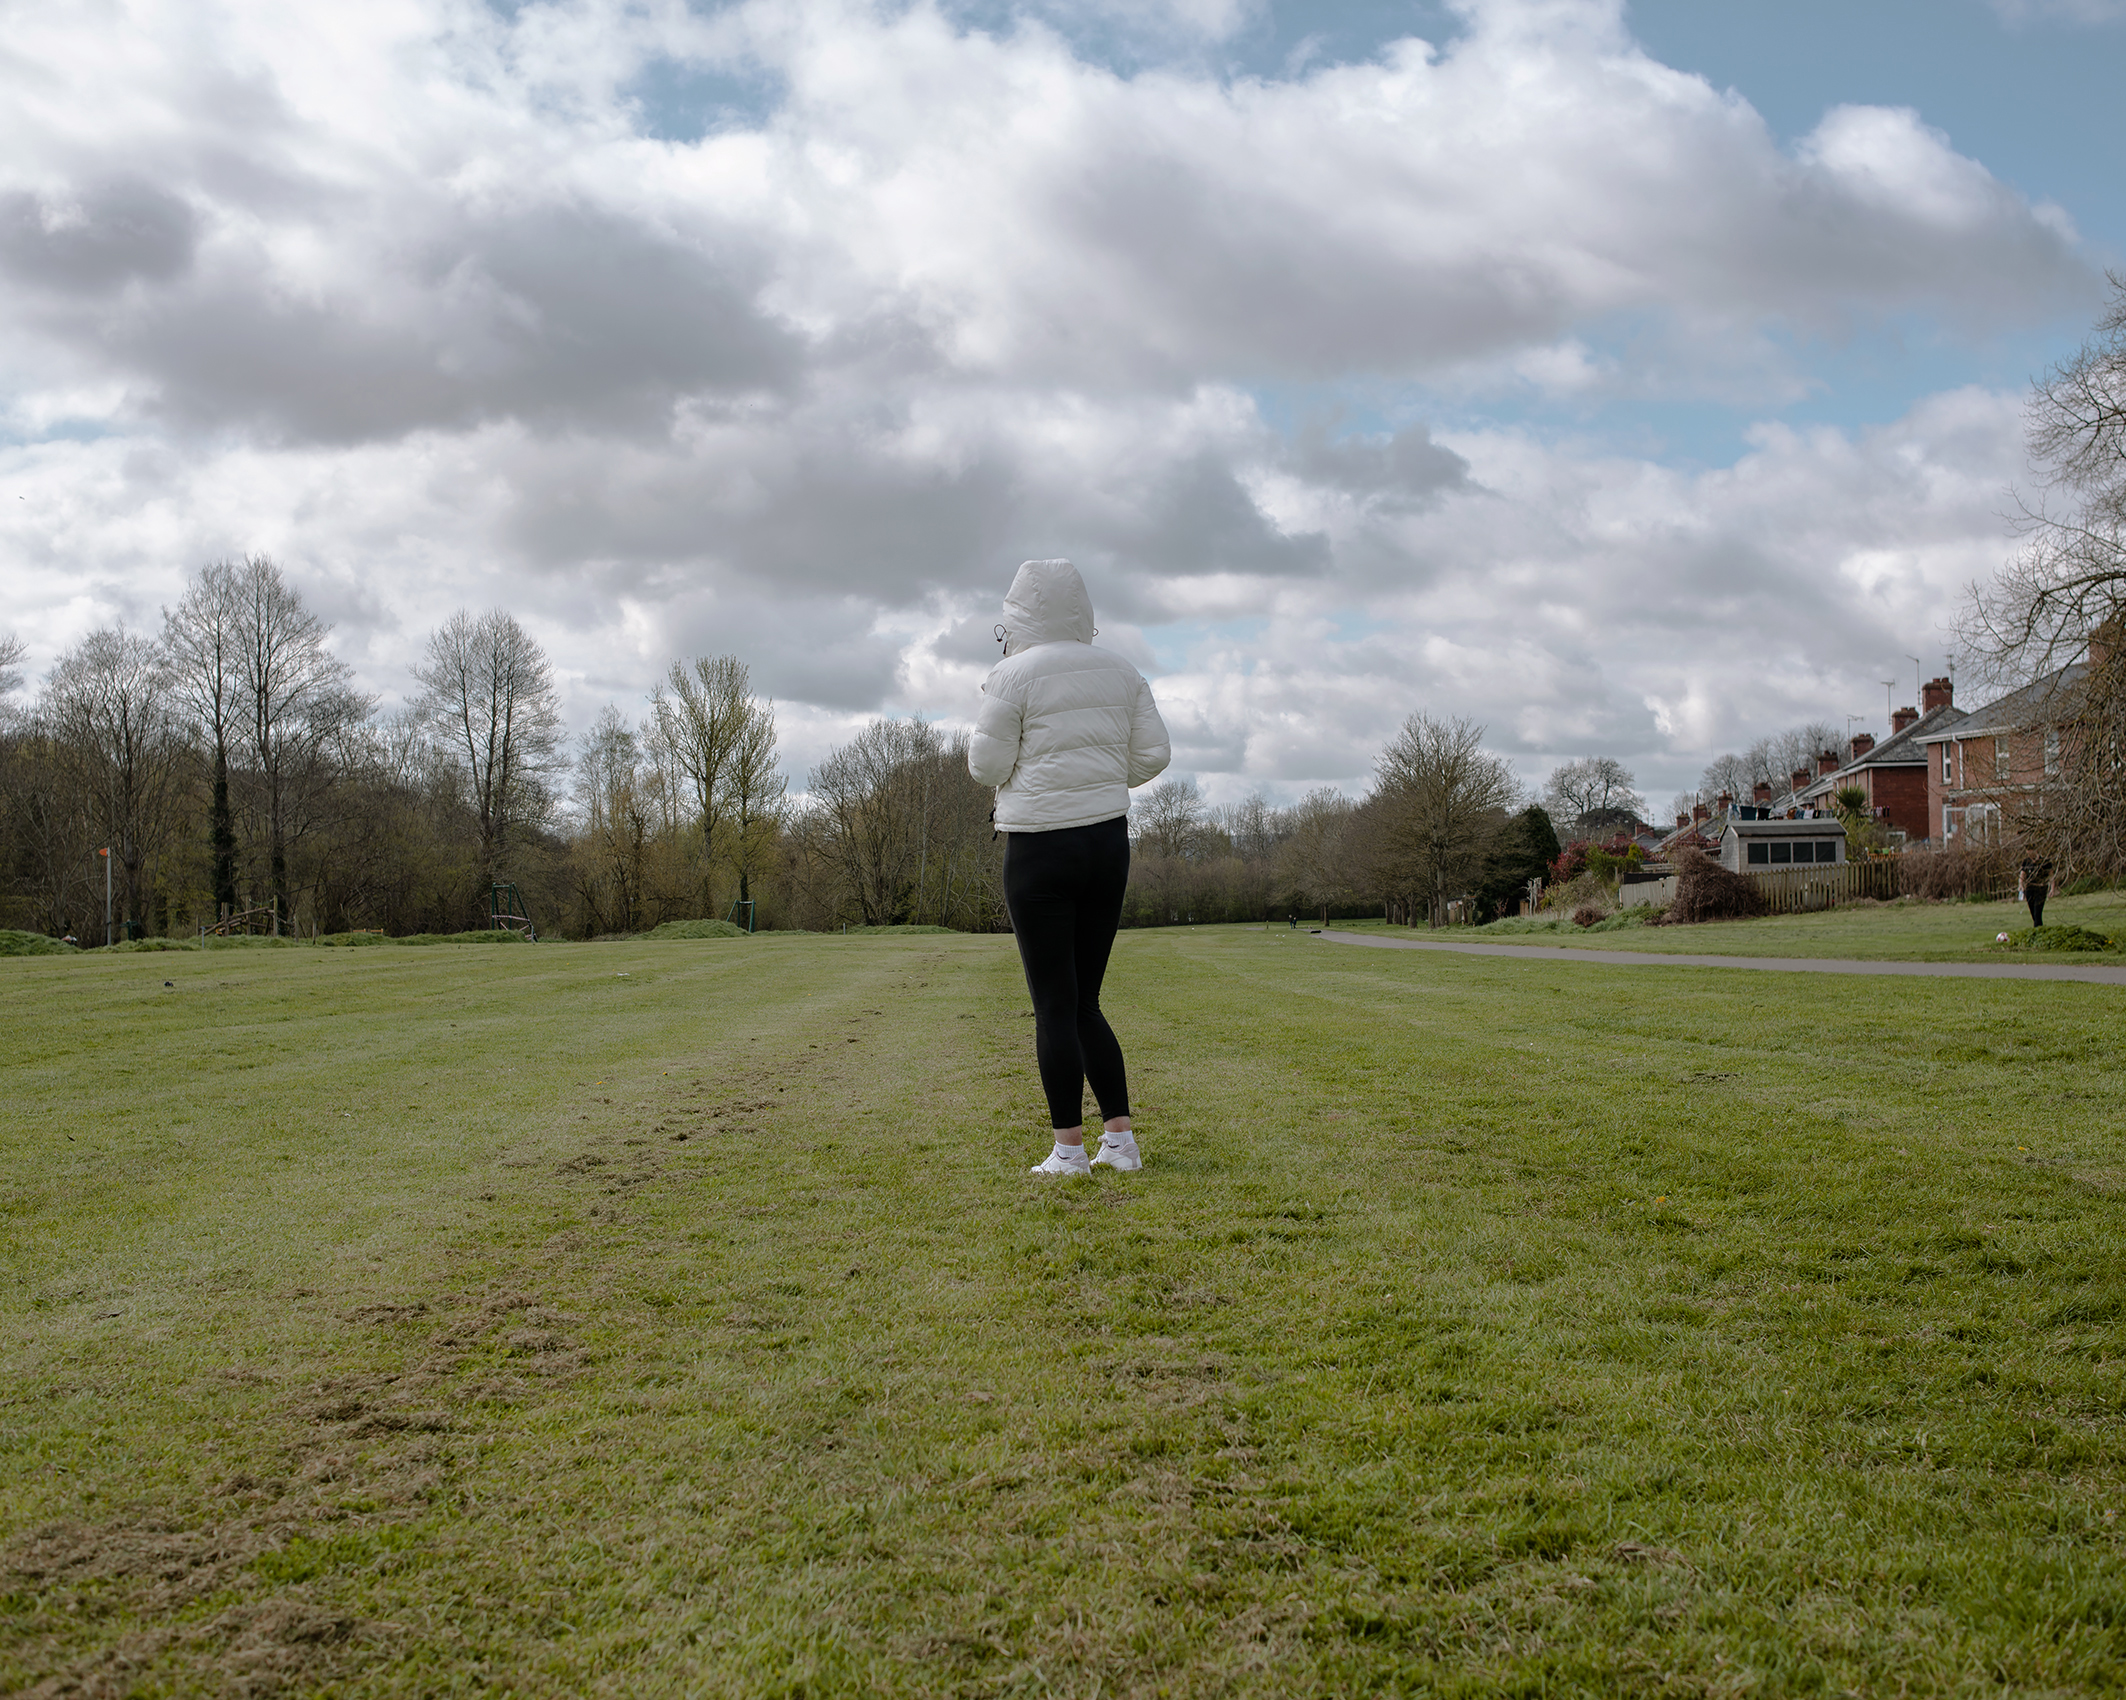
(1047, 603)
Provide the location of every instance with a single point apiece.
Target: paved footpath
(2092, 974)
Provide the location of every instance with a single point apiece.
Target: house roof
(1822, 827)
(1902, 749)
(2036, 703)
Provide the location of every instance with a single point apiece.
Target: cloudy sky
(1636, 379)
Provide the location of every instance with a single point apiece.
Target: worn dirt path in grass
(2095, 976)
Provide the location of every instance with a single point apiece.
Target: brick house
(1894, 773)
(1992, 760)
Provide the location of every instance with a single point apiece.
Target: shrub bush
(2058, 938)
(698, 930)
(1705, 891)
(1577, 893)
(1961, 871)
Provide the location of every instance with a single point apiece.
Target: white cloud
(404, 294)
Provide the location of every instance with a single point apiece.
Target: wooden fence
(1789, 891)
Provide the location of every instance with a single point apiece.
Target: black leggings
(1064, 892)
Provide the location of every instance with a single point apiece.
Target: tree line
(238, 777)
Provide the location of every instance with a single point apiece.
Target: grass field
(677, 1319)
(1899, 932)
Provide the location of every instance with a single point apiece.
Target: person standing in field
(1065, 730)
(2033, 880)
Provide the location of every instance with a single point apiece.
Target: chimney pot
(1937, 693)
(1901, 719)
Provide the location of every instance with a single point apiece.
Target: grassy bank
(1889, 932)
(653, 1319)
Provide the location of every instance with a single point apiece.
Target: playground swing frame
(507, 912)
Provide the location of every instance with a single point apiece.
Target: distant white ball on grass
(2000, 938)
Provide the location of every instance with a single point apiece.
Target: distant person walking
(1065, 730)
(2032, 882)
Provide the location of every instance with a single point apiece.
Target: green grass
(622, 1320)
(1896, 932)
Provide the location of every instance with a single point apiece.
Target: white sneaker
(1119, 1152)
(1056, 1166)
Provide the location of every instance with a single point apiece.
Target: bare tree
(489, 692)
(1729, 776)
(754, 788)
(701, 716)
(613, 848)
(108, 708)
(2063, 595)
(1168, 819)
(1592, 793)
(1439, 801)
(295, 700)
(202, 639)
(864, 791)
(1312, 857)
(12, 650)
(1251, 826)
(2069, 577)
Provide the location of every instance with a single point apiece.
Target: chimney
(1682, 821)
(1762, 794)
(1901, 719)
(1937, 693)
(1727, 803)
(2104, 642)
(1862, 743)
(1826, 762)
(1698, 811)
(1798, 780)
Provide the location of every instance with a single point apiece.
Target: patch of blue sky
(2034, 100)
(58, 431)
(682, 101)
(1871, 376)
(1177, 645)
(1274, 41)
(1355, 625)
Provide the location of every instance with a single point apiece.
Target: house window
(1782, 851)
(1827, 851)
(2052, 752)
(1946, 774)
(1759, 854)
(2000, 758)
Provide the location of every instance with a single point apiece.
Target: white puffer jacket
(1066, 729)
